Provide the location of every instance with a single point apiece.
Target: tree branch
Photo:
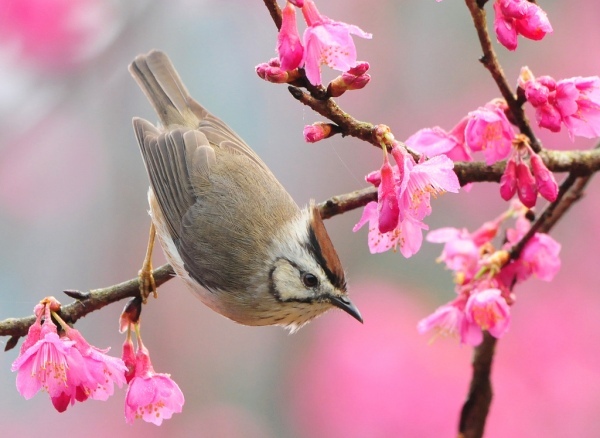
(581, 162)
(578, 162)
(477, 405)
(90, 302)
(93, 300)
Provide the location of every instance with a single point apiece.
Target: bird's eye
(309, 280)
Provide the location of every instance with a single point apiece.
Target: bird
(226, 225)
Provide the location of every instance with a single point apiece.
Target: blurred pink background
(73, 215)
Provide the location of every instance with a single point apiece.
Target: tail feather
(163, 87)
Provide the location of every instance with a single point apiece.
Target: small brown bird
(227, 226)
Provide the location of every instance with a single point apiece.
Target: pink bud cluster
(272, 72)
(519, 17)
(67, 367)
(325, 41)
(489, 131)
(484, 278)
(404, 195)
(70, 369)
(574, 102)
(518, 178)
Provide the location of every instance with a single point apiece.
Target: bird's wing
(168, 156)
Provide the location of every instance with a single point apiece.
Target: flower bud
(360, 69)
(374, 178)
(546, 184)
(525, 76)
(353, 79)
(289, 46)
(508, 181)
(317, 132)
(526, 185)
(261, 69)
(276, 75)
(130, 314)
(388, 208)
(536, 93)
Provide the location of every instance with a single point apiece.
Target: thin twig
(343, 203)
(275, 12)
(490, 61)
(329, 109)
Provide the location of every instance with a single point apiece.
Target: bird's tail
(163, 87)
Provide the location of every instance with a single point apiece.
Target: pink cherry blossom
(519, 17)
(526, 185)
(540, 256)
(427, 178)
(546, 184)
(45, 364)
(508, 181)
(460, 253)
(485, 277)
(489, 130)
(450, 320)
(435, 141)
(68, 368)
(414, 184)
(506, 31)
(128, 357)
(489, 310)
(327, 42)
(463, 250)
(522, 226)
(518, 178)
(151, 396)
(388, 209)
(486, 129)
(103, 370)
(574, 102)
(578, 101)
(289, 46)
(446, 320)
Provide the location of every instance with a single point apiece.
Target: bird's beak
(346, 305)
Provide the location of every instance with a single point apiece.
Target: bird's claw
(147, 283)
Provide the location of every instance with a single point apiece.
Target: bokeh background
(73, 216)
